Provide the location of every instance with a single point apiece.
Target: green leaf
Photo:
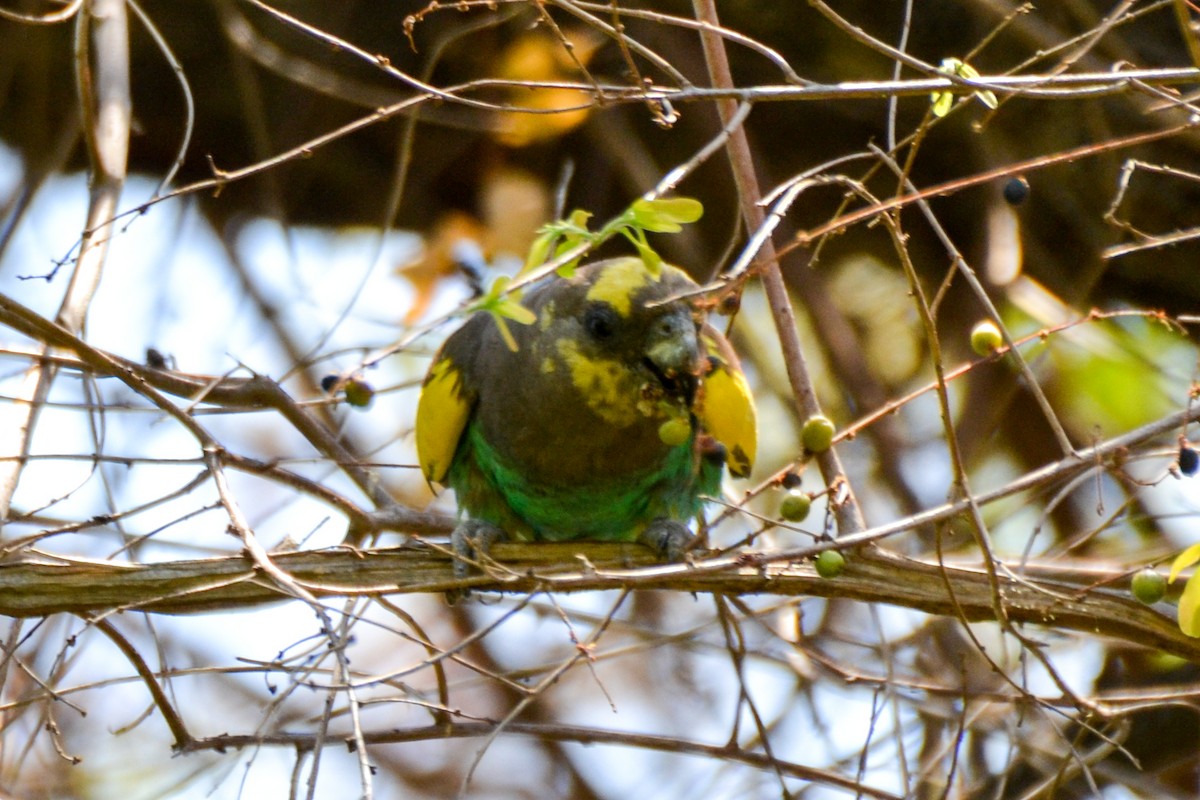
(567, 270)
(942, 103)
(507, 309)
(569, 242)
(651, 259)
(505, 333)
(1189, 607)
(665, 215)
(1183, 561)
(560, 236)
(494, 292)
(511, 308)
(504, 307)
(539, 249)
(959, 67)
(579, 219)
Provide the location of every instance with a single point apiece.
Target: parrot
(609, 417)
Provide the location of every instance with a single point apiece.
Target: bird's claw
(667, 537)
(470, 541)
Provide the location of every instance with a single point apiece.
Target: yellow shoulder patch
(726, 406)
(442, 413)
(618, 281)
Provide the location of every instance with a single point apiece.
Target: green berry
(1149, 587)
(675, 431)
(795, 506)
(358, 393)
(986, 338)
(830, 564)
(817, 434)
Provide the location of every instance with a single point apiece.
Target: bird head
(614, 373)
(627, 338)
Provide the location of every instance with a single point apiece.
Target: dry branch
(1069, 601)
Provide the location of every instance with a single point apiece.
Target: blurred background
(308, 192)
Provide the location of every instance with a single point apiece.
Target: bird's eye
(600, 321)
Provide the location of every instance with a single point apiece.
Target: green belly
(610, 508)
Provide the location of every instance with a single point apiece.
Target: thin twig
(750, 198)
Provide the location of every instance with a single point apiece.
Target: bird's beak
(673, 345)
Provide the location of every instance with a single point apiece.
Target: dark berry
(1016, 190)
(1189, 460)
(155, 359)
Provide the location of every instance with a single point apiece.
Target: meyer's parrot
(610, 420)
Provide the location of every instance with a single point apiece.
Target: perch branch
(1060, 596)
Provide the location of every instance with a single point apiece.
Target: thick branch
(30, 589)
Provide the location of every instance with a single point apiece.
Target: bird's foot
(472, 540)
(669, 538)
